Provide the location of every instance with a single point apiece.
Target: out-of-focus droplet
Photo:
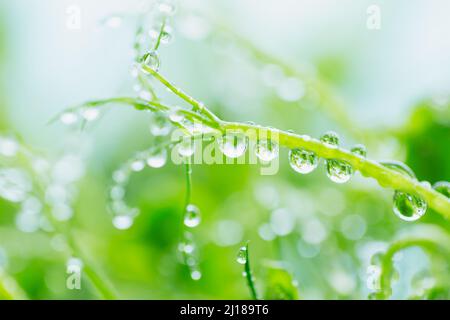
(157, 158)
(192, 216)
(69, 118)
(90, 113)
(122, 222)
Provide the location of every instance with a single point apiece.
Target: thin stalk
(387, 265)
(386, 177)
(161, 31)
(196, 104)
(249, 276)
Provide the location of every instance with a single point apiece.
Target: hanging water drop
(359, 150)
(122, 222)
(176, 116)
(242, 255)
(192, 216)
(137, 165)
(160, 126)
(151, 60)
(331, 139)
(408, 207)
(303, 161)
(90, 114)
(157, 158)
(186, 147)
(166, 35)
(266, 150)
(442, 187)
(233, 145)
(196, 275)
(69, 118)
(338, 171)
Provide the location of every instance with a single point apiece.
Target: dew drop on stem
(242, 255)
(233, 145)
(303, 161)
(331, 139)
(408, 207)
(338, 171)
(192, 216)
(266, 150)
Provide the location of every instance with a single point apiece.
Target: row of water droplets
(124, 215)
(406, 206)
(154, 31)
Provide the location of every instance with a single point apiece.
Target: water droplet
(90, 114)
(160, 126)
(400, 167)
(137, 165)
(120, 176)
(442, 187)
(145, 95)
(117, 193)
(338, 171)
(176, 116)
(291, 89)
(113, 22)
(192, 216)
(167, 8)
(166, 35)
(8, 147)
(122, 222)
(359, 150)
(242, 255)
(186, 147)
(303, 161)
(151, 60)
(408, 207)
(157, 158)
(233, 145)
(69, 118)
(196, 275)
(267, 150)
(331, 139)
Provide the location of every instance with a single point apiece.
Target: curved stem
(387, 266)
(249, 276)
(385, 177)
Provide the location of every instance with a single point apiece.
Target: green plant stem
(161, 31)
(249, 276)
(9, 288)
(387, 265)
(196, 104)
(385, 177)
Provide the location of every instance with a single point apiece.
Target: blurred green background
(394, 86)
